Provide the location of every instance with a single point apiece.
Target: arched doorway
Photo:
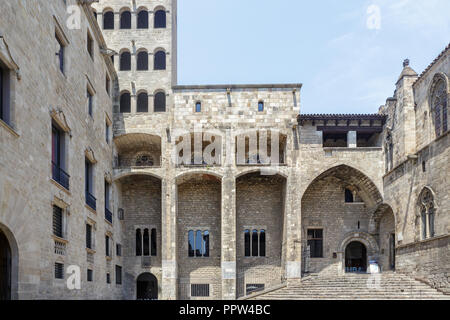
(355, 257)
(5, 268)
(147, 287)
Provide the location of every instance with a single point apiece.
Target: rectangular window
(58, 157)
(198, 107)
(108, 278)
(108, 85)
(60, 53)
(107, 130)
(108, 213)
(58, 222)
(90, 275)
(118, 250)
(107, 252)
(199, 290)
(118, 275)
(5, 108)
(90, 45)
(260, 106)
(90, 101)
(89, 185)
(88, 236)
(59, 270)
(153, 242)
(315, 243)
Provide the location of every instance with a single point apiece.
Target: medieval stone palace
(118, 183)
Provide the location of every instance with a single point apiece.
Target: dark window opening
(142, 102)
(260, 106)
(199, 290)
(88, 236)
(146, 243)
(142, 61)
(90, 45)
(153, 243)
(160, 61)
(191, 243)
(125, 20)
(334, 140)
(160, 19)
(254, 243)
(125, 61)
(89, 185)
(424, 166)
(315, 243)
(349, 196)
(253, 287)
(90, 99)
(58, 222)
(118, 275)
(107, 250)
(247, 243)
(125, 103)
(198, 107)
(118, 250)
(90, 275)
(58, 155)
(108, 85)
(262, 243)
(160, 102)
(367, 140)
(138, 243)
(60, 53)
(59, 270)
(108, 20)
(142, 19)
(108, 278)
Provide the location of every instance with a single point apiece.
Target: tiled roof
(432, 63)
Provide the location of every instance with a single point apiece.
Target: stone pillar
(292, 214)
(169, 253)
(228, 232)
(351, 139)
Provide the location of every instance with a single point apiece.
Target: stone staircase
(353, 287)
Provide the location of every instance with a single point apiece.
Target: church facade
(118, 183)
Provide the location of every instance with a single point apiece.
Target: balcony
(91, 201)
(108, 215)
(60, 176)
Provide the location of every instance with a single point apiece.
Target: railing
(258, 278)
(108, 215)
(60, 176)
(91, 200)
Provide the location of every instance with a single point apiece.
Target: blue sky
(347, 59)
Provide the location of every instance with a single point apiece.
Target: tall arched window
(255, 243)
(125, 102)
(247, 243)
(142, 19)
(146, 239)
(153, 243)
(160, 102)
(262, 243)
(427, 213)
(439, 105)
(108, 20)
(125, 61)
(160, 19)
(142, 61)
(138, 243)
(142, 102)
(191, 243)
(125, 20)
(160, 61)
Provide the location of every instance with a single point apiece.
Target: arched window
(125, 102)
(108, 20)
(160, 61)
(260, 106)
(198, 244)
(198, 106)
(206, 243)
(439, 105)
(160, 19)
(191, 243)
(142, 19)
(125, 61)
(125, 20)
(247, 243)
(160, 102)
(262, 243)
(255, 243)
(142, 102)
(146, 243)
(142, 61)
(138, 243)
(427, 213)
(153, 243)
(349, 196)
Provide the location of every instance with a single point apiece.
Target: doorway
(5, 268)
(392, 251)
(147, 287)
(355, 257)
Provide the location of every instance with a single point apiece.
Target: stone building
(200, 192)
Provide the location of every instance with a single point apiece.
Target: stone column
(169, 253)
(228, 232)
(351, 139)
(292, 209)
